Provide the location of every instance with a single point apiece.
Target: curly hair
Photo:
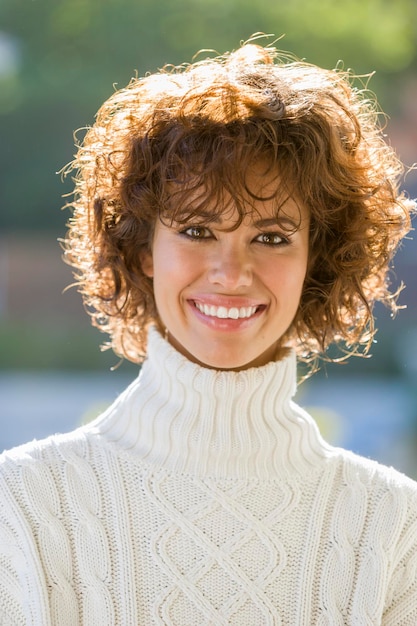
(195, 131)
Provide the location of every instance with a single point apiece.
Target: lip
(227, 324)
(227, 301)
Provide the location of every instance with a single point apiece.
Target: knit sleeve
(401, 602)
(12, 565)
(21, 576)
(11, 591)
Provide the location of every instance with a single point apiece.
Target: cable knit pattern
(53, 542)
(209, 498)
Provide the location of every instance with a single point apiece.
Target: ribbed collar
(195, 420)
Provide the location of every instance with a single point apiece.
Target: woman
(228, 216)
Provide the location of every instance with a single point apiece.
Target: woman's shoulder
(39, 479)
(44, 452)
(374, 476)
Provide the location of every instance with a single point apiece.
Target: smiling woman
(228, 292)
(179, 145)
(228, 217)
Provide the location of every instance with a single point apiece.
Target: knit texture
(204, 498)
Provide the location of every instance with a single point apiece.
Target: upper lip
(226, 301)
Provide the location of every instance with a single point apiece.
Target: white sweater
(204, 498)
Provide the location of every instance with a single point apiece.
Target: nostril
(231, 274)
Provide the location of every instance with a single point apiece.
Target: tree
(65, 67)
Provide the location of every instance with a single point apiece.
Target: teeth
(223, 313)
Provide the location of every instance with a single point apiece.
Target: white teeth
(223, 313)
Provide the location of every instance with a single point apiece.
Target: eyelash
(282, 240)
(203, 230)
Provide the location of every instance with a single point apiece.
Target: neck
(205, 422)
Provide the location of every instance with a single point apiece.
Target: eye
(271, 239)
(197, 232)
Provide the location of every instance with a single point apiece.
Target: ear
(146, 262)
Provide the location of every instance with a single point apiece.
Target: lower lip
(226, 324)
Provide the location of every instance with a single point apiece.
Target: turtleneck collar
(195, 420)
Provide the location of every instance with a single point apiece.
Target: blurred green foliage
(59, 59)
(38, 346)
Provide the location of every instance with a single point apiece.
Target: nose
(231, 269)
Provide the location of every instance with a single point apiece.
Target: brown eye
(197, 232)
(271, 239)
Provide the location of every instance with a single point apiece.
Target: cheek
(287, 277)
(173, 268)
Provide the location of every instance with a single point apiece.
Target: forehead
(258, 192)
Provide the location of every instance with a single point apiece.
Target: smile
(223, 312)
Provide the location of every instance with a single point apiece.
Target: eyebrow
(283, 222)
(273, 221)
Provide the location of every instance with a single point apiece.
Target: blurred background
(59, 60)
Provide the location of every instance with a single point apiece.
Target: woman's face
(226, 297)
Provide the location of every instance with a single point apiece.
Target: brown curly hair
(170, 135)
